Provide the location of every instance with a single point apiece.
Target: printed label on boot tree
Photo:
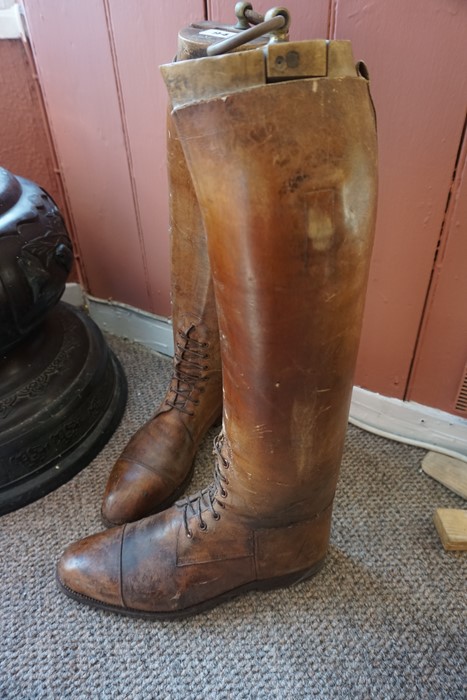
(221, 33)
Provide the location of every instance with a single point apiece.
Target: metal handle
(246, 15)
(276, 21)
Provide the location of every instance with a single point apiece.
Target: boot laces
(208, 498)
(188, 369)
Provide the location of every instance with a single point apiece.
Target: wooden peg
(451, 524)
(450, 472)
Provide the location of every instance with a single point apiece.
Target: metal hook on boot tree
(246, 15)
(276, 22)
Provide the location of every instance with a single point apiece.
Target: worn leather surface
(285, 175)
(156, 465)
(152, 566)
(296, 265)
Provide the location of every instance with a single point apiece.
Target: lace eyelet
(189, 534)
(216, 516)
(224, 493)
(203, 527)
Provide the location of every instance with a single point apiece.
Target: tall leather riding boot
(282, 151)
(157, 464)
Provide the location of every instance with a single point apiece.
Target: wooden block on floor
(450, 472)
(451, 524)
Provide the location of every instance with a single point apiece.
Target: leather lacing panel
(189, 365)
(208, 499)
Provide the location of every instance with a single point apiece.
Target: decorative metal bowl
(36, 256)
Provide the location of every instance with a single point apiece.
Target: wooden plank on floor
(451, 524)
(450, 472)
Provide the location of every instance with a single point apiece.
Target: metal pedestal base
(62, 395)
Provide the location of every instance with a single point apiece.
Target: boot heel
(290, 579)
(293, 551)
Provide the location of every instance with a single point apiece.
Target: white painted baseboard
(409, 422)
(404, 421)
(125, 321)
(11, 25)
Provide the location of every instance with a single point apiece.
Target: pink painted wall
(417, 56)
(144, 35)
(25, 144)
(98, 67)
(442, 350)
(106, 106)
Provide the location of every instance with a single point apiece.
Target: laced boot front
(188, 375)
(157, 464)
(193, 556)
(209, 500)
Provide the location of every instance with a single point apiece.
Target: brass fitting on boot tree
(276, 22)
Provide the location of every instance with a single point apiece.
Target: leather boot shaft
(157, 463)
(290, 227)
(197, 375)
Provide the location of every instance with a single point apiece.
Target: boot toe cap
(133, 492)
(91, 568)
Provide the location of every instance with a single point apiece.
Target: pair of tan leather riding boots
(272, 168)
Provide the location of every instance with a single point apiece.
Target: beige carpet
(386, 618)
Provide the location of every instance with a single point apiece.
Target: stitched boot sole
(265, 585)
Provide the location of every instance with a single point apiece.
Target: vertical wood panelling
(71, 45)
(442, 356)
(144, 35)
(418, 63)
(24, 148)
(25, 144)
(309, 19)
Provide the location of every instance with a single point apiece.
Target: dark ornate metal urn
(62, 391)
